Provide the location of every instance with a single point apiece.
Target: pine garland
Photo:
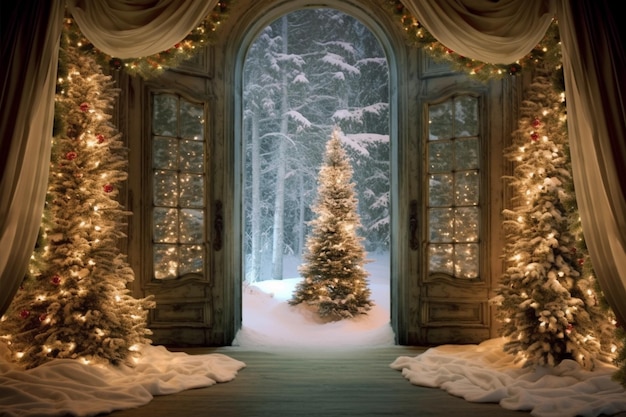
(546, 53)
(154, 65)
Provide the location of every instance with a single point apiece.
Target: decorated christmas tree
(334, 280)
(548, 306)
(74, 302)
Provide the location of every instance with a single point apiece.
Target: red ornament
(43, 317)
(55, 280)
(115, 63)
(70, 156)
(84, 107)
(536, 123)
(24, 314)
(100, 138)
(581, 261)
(108, 188)
(534, 136)
(569, 328)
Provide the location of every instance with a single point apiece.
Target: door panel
(171, 236)
(456, 176)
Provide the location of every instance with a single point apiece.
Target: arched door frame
(248, 26)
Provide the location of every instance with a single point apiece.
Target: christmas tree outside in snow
(334, 280)
(74, 303)
(548, 308)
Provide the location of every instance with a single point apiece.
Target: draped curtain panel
(593, 62)
(492, 31)
(31, 31)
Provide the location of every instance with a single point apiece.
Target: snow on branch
(302, 121)
(339, 62)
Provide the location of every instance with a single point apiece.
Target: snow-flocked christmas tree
(548, 307)
(334, 280)
(74, 302)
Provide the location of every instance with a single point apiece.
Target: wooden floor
(289, 383)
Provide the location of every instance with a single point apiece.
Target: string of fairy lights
(154, 65)
(547, 52)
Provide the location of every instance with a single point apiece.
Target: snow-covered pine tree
(75, 303)
(334, 280)
(548, 309)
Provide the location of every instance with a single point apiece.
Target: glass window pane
(465, 116)
(191, 226)
(440, 157)
(164, 116)
(440, 121)
(440, 225)
(440, 191)
(191, 156)
(466, 224)
(165, 188)
(191, 121)
(191, 259)
(165, 225)
(466, 154)
(441, 259)
(466, 188)
(191, 190)
(165, 261)
(466, 265)
(164, 153)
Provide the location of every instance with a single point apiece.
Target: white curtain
(497, 32)
(492, 31)
(30, 44)
(593, 60)
(126, 29)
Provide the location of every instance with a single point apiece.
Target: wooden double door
(447, 134)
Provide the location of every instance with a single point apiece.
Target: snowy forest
(306, 73)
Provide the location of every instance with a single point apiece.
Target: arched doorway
(307, 73)
(439, 286)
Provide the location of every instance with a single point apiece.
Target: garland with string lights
(547, 52)
(154, 65)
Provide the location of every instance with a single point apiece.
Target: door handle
(218, 226)
(413, 241)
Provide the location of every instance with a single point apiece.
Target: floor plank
(290, 383)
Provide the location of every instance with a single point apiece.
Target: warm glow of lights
(19, 355)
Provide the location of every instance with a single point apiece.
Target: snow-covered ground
(270, 321)
(480, 373)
